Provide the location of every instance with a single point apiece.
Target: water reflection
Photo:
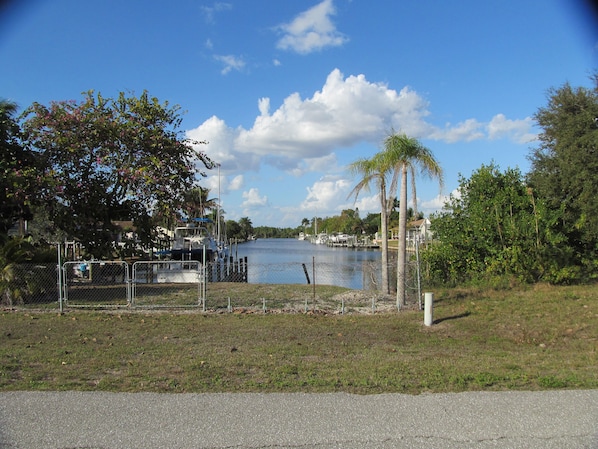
(290, 261)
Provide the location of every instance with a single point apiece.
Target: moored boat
(194, 242)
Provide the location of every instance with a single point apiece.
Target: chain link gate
(96, 283)
(168, 284)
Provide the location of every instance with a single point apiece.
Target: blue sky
(289, 92)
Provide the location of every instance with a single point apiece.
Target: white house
(417, 231)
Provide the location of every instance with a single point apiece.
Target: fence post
(129, 284)
(428, 308)
(418, 274)
(133, 285)
(204, 286)
(313, 272)
(60, 279)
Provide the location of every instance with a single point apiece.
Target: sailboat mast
(218, 209)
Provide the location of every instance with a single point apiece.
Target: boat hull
(193, 254)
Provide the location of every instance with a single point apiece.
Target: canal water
(292, 261)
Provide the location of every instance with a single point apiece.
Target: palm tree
(246, 227)
(408, 155)
(197, 203)
(7, 124)
(13, 252)
(376, 169)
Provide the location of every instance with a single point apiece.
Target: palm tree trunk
(413, 193)
(402, 253)
(384, 232)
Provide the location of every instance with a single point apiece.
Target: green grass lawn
(533, 338)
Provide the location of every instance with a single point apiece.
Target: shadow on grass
(454, 317)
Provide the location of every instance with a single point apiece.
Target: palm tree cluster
(401, 156)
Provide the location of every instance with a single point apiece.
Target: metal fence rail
(331, 287)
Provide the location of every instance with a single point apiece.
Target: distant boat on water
(321, 239)
(339, 238)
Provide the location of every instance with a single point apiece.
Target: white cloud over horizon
(437, 203)
(518, 130)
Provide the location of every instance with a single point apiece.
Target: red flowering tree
(111, 159)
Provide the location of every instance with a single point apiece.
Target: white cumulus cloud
(221, 146)
(437, 203)
(252, 199)
(328, 193)
(326, 164)
(236, 183)
(311, 135)
(344, 112)
(465, 131)
(304, 132)
(517, 130)
(312, 30)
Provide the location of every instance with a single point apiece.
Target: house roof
(413, 224)
(416, 223)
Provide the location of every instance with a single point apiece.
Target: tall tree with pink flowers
(112, 159)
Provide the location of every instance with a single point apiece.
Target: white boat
(321, 239)
(339, 238)
(194, 242)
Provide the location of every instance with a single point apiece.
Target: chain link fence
(168, 284)
(29, 284)
(95, 284)
(290, 287)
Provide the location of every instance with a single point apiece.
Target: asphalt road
(90, 420)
